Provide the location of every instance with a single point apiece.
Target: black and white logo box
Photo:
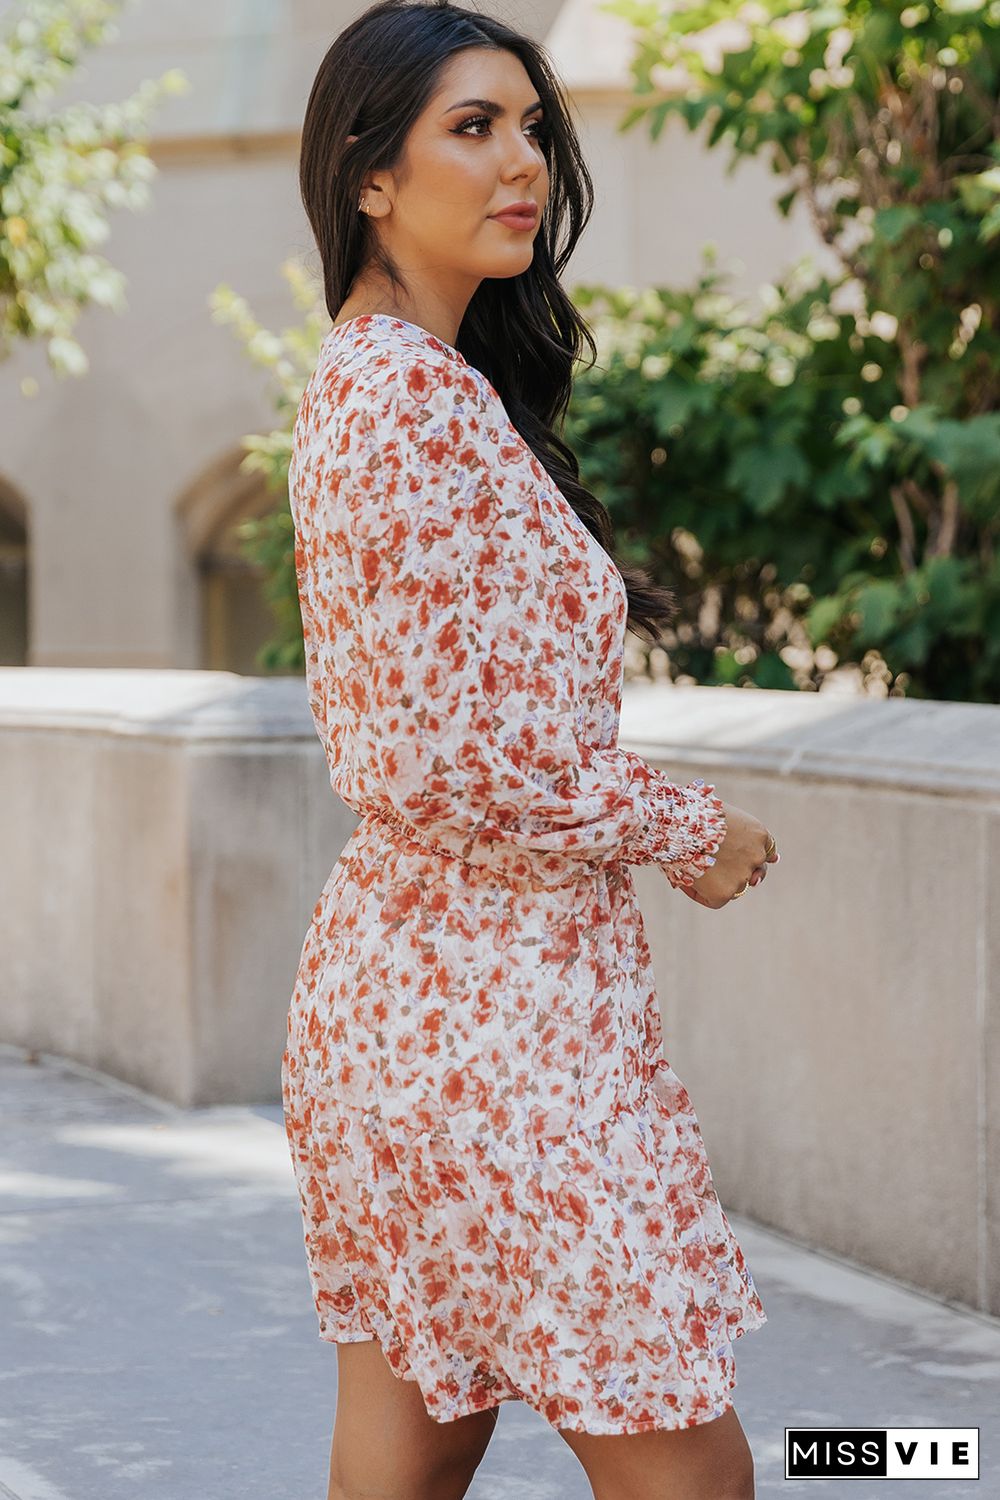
(881, 1452)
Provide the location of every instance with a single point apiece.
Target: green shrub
(877, 465)
(751, 459)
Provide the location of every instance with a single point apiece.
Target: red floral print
(501, 1177)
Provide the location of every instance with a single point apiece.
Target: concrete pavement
(159, 1340)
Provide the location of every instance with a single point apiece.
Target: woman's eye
(538, 126)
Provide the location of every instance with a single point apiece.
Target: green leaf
(878, 603)
(764, 473)
(771, 672)
(822, 618)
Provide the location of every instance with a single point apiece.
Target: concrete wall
(167, 835)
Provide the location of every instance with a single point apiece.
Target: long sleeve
(469, 621)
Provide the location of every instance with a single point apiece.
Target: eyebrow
(492, 108)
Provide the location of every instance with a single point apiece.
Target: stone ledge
(912, 745)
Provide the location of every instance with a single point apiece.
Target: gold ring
(740, 892)
(770, 846)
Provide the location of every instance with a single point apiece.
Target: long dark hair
(522, 332)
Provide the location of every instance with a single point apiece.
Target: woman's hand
(739, 861)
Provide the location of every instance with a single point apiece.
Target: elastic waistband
(574, 875)
(396, 820)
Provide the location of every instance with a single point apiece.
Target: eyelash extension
(541, 129)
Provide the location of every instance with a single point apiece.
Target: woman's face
(465, 162)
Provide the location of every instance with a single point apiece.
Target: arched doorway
(231, 617)
(13, 578)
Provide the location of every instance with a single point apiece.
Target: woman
(504, 1189)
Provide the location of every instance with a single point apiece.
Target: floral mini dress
(502, 1179)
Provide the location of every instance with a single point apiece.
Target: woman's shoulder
(382, 368)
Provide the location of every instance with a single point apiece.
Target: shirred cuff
(694, 827)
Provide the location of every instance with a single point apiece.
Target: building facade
(120, 491)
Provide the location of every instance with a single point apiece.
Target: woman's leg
(385, 1444)
(712, 1461)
